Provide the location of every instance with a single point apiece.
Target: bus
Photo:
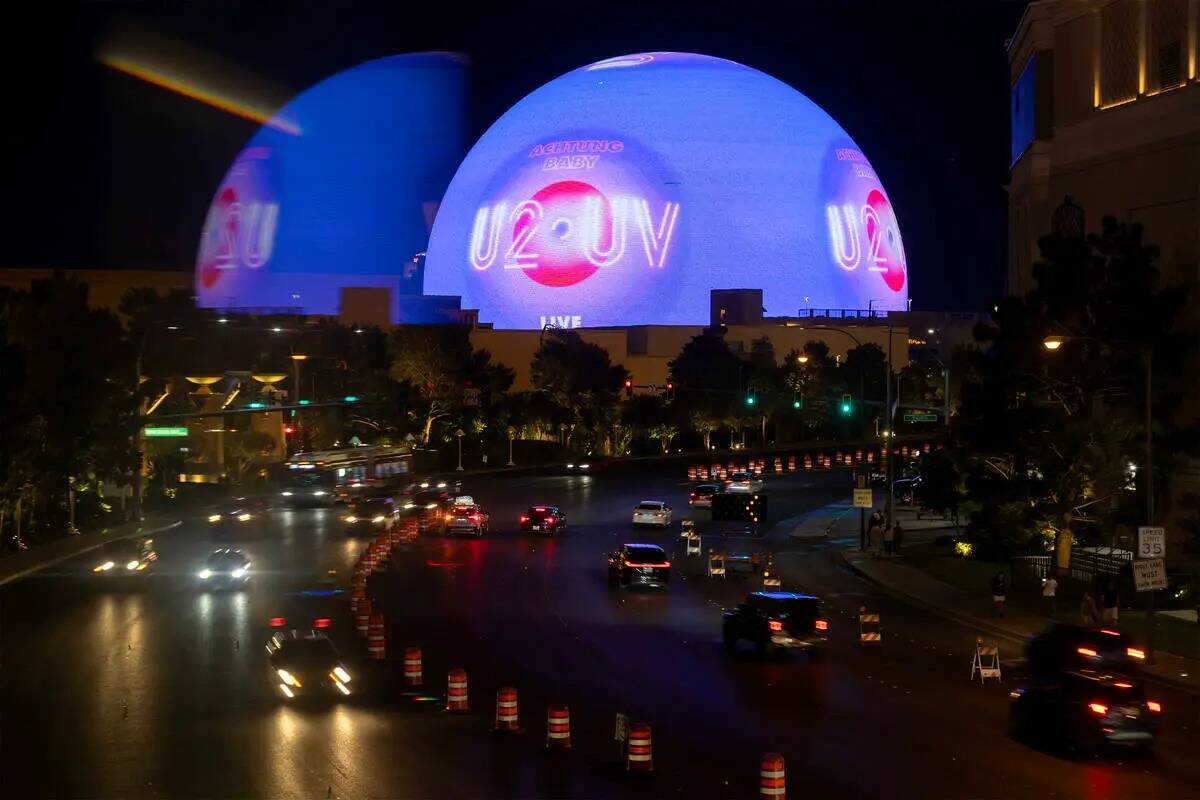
(325, 477)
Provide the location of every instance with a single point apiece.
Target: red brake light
(1154, 706)
(322, 622)
(277, 622)
(1098, 708)
(775, 625)
(1110, 633)
(549, 520)
(1086, 651)
(1134, 652)
(524, 518)
(821, 625)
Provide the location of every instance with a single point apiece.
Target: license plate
(1129, 711)
(537, 527)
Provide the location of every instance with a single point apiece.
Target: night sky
(108, 171)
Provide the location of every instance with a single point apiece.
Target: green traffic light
(350, 398)
(749, 399)
(845, 408)
(795, 404)
(303, 402)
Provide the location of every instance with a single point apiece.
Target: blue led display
(622, 192)
(1022, 117)
(339, 190)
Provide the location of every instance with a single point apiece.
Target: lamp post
(1053, 344)
(511, 433)
(459, 434)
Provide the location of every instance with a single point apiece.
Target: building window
(1119, 53)
(1170, 65)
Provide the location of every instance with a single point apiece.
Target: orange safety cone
(506, 709)
(376, 638)
(456, 690)
(791, 463)
(412, 666)
(363, 616)
(357, 595)
(640, 757)
(772, 780)
(807, 461)
(558, 727)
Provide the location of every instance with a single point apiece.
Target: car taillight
(775, 625)
(322, 622)
(476, 517)
(1134, 652)
(550, 520)
(1086, 651)
(1107, 632)
(1154, 706)
(449, 518)
(821, 625)
(277, 622)
(524, 518)
(1098, 709)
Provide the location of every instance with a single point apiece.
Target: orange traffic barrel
(791, 463)
(376, 638)
(456, 690)
(640, 757)
(362, 617)
(772, 778)
(506, 709)
(358, 593)
(870, 456)
(412, 666)
(807, 461)
(558, 727)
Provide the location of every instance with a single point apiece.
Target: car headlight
(341, 687)
(214, 517)
(105, 567)
(142, 566)
(205, 574)
(288, 678)
(441, 485)
(379, 518)
(319, 493)
(351, 518)
(570, 466)
(410, 505)
(245, 517)
(283, 687)
(286, 494)
(239, 572)
(584, 466)
(131, 565)
(341, 674)
(431, 505)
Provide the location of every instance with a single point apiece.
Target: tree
(243, 448)
(941, 487)
(704, 423)
(579, 377)
(706, 373)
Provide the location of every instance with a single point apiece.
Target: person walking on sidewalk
(873, 529)
(999, 593)
(1087, 610)
(889, 540)
(897, 538)
(1109, 601)
(1049, 592)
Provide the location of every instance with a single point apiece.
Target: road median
(23, 563)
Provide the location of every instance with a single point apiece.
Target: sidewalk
(18, 565)
(967, 609)
(840, 520)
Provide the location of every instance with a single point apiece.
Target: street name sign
(1152, 542)
(863, 499)
(165, 431)
(920, 417)
(1149, 574)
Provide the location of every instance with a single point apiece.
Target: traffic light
(350, 398)
(629, 387)
(670, 391)
(751, 399)
(288, 430)
(797, 402)
(847, 405)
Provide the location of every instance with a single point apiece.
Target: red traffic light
(288, 430)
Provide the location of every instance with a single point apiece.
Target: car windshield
(373, 505)
(122, 550)
(650, 506)
(797, 609)
(645, 553)
(706, 489)
(312, 653)
(542, 513)
(226, 560)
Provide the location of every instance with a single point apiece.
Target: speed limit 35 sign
(1152, 542)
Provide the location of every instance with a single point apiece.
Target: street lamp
(460, 434)
(801, 359)
(1053, 343)
(511, 433)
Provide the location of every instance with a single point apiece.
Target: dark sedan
(306, 663)
(776, 621)
(1086, 711)
(225, 568)
(367, 516)
(638, 565)
(544, 519)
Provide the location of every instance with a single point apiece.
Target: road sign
(1152, 542)
(161, 432)
(622, 730)
(1149, 574)
(863, 498)
(920, 417)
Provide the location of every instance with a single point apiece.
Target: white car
(744, 482)
(652, 512)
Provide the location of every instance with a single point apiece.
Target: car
(305, 662)
(744, 482)
(1085, 710)
(125, 557)
(470, 519)
(239, 516)
(702, 495)
(369, 515)
(774, 621)
(585, 465)
(544, 519)
(1063, 647)
(638, 564)
(225, 567)
(313, 495)
(652, 512)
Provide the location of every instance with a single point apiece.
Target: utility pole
(888, 431)
(1149, 495)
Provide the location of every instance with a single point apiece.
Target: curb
(103, 541)
(969, 621)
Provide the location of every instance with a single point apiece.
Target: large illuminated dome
(622, 192)
(337, 190)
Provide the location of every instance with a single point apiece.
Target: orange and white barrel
(456, 690)
(376, 638)
(362, 617)
(640, 756)
(772, 780)
(791, 463)
(506, 709)
(558, 727)
(412, 666)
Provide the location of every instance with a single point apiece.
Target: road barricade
(362, 618)
(558, 728)
(376, 638)
(986, 661)
(808, 462)
(771, 578)
(412, 666)
(869, 629)
(692, 545)
(507, 715)
(791, 463)
(716, 564)
(640, 754)
(456, 691)
(772, 781)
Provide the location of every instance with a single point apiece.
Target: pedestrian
(897, 538)
(872, 530)
(1050, 592)
(999, 593)
(1087, 609)
(1109, 601)
(485, 459)
(889, 540)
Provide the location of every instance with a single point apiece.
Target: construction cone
(772, 780)
(558, 727)
(456, 691)
(506, 709)
(412, 666)
(363, 616)
(376, 638)
(641, 752)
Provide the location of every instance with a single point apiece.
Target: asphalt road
(160, 690)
